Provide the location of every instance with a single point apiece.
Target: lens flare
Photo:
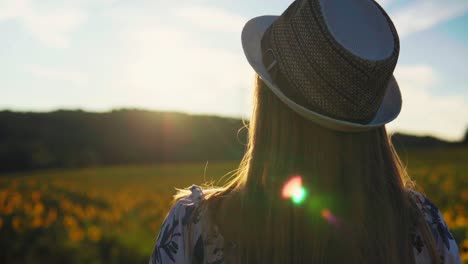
(299, 195)
(293, 190)
(327, 215)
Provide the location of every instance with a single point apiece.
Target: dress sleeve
(444, 240)
(175, 242)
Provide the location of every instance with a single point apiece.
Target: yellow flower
(65, 204)
(16, 199)
(90, 212)
(447, 215)
(38, 209)
(464, 246)
(75, 234)
(3, 197)
(8, 209)
(37, 222)
(16, 224)
(51, 216)
(460, 221)
(464, 195)
(36, 196)
(94, 233)
(69, 221)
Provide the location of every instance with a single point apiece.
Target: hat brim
(251, 43)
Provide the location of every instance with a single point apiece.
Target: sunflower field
(113, 214)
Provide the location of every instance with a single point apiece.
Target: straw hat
(331, 61)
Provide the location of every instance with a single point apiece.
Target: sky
(186, 56)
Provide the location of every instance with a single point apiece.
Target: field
(113, 214)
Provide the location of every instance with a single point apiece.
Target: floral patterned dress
(177, 244)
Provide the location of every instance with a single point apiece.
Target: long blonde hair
(357, 209)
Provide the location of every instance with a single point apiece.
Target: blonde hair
(356, 177)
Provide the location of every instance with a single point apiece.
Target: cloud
(56, 74)
(212, 18)
(422, 15)
(385, 3)
(52, 26)
(11, 9)
(426, 113)
(169, 68)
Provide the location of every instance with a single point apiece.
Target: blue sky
(186, 56)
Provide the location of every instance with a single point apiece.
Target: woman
(320, 181)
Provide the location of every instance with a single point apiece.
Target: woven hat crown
(317, 71)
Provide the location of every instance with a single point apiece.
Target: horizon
(112, 54)
(390, 131)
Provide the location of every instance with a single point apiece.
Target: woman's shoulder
(186, 205)
(184, 236)
(444, 240)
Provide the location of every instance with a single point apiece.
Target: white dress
(175, 244)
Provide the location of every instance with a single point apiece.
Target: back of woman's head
(355, 208)
(280, 139)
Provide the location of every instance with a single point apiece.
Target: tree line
(74, 138)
